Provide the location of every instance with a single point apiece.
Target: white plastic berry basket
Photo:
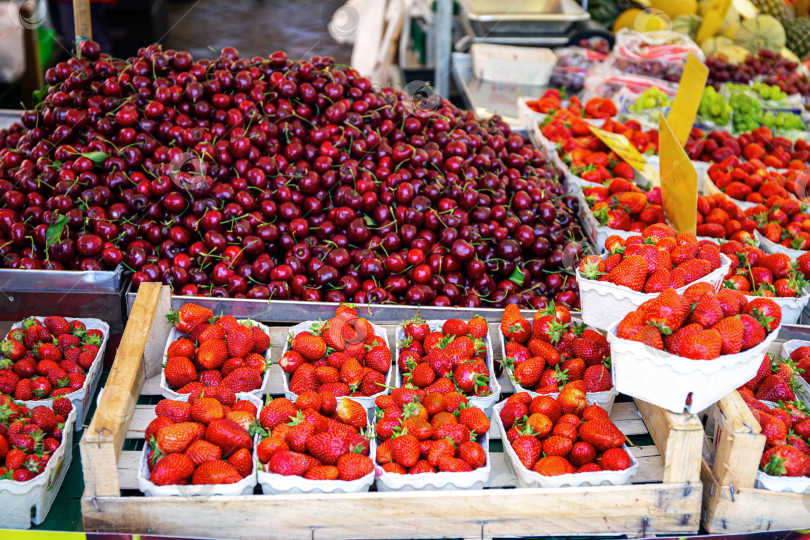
(174, 335)
(603, 399)
(438, 481)
(790, 484)
(482, 402)
(605, 303)
(277, 484)
(24, 503)
(201, 491)
(531, 479)
(80, 398)
(666, 380)
(366, 401)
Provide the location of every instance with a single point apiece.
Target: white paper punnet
(603, 399)
(666, 380)
(531, 479)
(366, 401)
(791, 484)
(277, 484)
(199, 492)
(439, 481)
(24, 503)
(787, 348)
(604, 303)
(80, 398)
(486, 402)
(174, 335)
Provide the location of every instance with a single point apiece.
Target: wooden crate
(731, 503)
(665, 498)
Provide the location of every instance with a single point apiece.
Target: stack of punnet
(677, 340)
(637, 268)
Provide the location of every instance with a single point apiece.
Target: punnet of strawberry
(657, 259)
(343, 356)
(701, 324)
(420, 432)
(560, 436)
(551, 352)
(785, 423)
(451, 357)
(747, 181)
(29, 437)
(207, 440)
(799, 353)
(783, 221)
(552, 100)
(48, 358)
(622, 205)
(317, 437)
(215, 351)
(718, 217)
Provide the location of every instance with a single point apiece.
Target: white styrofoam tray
(174, 335)
(199, 491)
(772, 247)
(365, 401)
(666, 380)
(80, 398)
(506, 63)
(605, 303)
(485, 402)
(278, 484)
(23, 503)
(439, 481)
(603, 399)
(531, 479)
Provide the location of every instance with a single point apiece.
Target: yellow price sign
(678, 180)
(687, 100)
(40, 535)
(713, 20)
(619, 144)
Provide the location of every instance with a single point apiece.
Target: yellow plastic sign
(40, 535)
(687, 100)
(619, 144)
(713, 20)
(678, 180)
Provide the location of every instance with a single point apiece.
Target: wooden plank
(741, 444)
(104, 438)
(679, 437)
(750, 510)
(82, 21)
(638, 510)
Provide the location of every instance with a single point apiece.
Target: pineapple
(775, 8)
(797, 33)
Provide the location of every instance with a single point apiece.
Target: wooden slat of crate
(731, 503)
(637, 510)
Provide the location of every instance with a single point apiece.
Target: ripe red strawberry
(189, 316)
(172, 469)
(62, 406)
(765, 311)
(597, 379)
(553, 466)
(209, 332)
(512, 412)
(175, 438)
(288, 463)
(405, 449)
(201, 451)
(261, 341)
(373, 383)
(181, 347)
(422, 375)
(478, 327)
(277, 411)
(731, 330)
(216, 473)
(47, 351)
(310, 346)
(352, 413)
(602, 434)
(474, 419)
(774, 388)
(24, 390)
(228, 435)
(179, 371)
(707, 312)
(615, 459)
(702, 345)
(783, 460)
(239, 341)
(243, 379)
(242, 461)
(630, 273)
(379, 358)
(753, 332)
(352, 466)
(178, 411)
(528, 450)
(455, 327)
(57, 325)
